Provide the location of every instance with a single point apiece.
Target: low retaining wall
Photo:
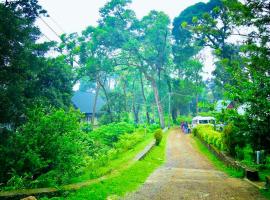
(144, 152)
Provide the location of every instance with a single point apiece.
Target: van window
(203, 122)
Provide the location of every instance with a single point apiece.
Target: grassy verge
(263, 173)
(265, 193)
(128, 180)
(118, 163)
(216, 162)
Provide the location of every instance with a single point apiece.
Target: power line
(50, 28)
(57, 24)
(56, 36)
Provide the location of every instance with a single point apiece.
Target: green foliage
(267, 161)
(27, 77)
(128, 180)
(158, 136)
(48, 149)
(229, 139)
(102, 154)
(86, 127)
(153, 127)
(217, 163)
(248, 153)
(182, 118)
(109, 134)
(235, 132)
(209, 135)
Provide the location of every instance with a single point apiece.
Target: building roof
(223, 104)
(84, 101)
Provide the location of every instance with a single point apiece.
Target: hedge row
(209, 135)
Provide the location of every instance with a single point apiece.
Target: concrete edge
(254, 184)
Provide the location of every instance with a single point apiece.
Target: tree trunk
(144, 99)
(95, 104)
(197, 108)
(159, 106)
(107, 100)
(156, 93)
(174, 114)
(125, 95)
(136, 112)
(134, 108)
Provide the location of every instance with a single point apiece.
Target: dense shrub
(86, 127)
(48, 149)
(234, 136)
(149, 127)
(209, 135)
(128, 141)
(54, 146)
(158, 136)
(267, 162)
(125, 141)
(109, 134)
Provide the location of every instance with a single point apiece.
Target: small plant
(158, 136)
(86, 127)
(239, 153)
(195, 131)
(267, 160)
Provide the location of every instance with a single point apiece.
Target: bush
(104, 153)
(49, 148)
(232, 138)
(239, 153)
(209, 135)
(158, 136)
(267, 162)
(248, 154)
(109, 134)
(195, 131)
(128, 141)
(86, 127)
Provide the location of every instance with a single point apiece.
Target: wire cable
(57, 24)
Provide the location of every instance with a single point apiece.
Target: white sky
(76, 15)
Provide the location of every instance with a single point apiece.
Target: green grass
(216, 162)
(265, 193)
(128, 180)
(119, 162)
(263, 173)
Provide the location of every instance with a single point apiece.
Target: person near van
(185, 127)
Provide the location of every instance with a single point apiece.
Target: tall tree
(26, 76)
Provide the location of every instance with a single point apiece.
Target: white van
(202, 120)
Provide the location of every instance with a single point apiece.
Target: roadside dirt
(189, 175)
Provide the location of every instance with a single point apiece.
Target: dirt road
(189, 175)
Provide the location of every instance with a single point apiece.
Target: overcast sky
(75, 15)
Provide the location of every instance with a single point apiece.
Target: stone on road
(189, 175)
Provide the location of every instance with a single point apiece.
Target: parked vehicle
(202, 120)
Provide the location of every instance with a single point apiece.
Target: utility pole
(169, 113)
